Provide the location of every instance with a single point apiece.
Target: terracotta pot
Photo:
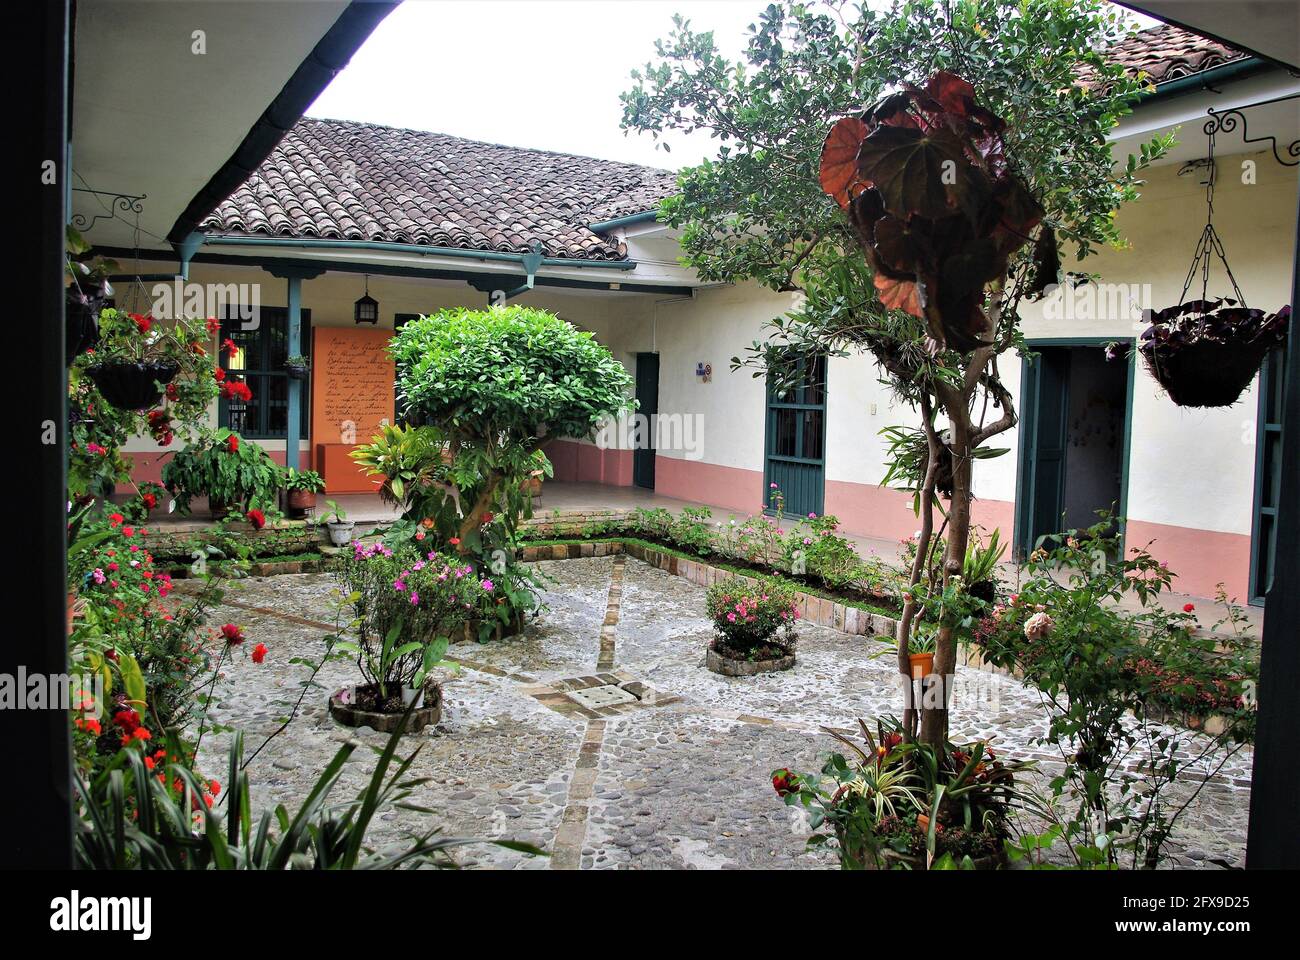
(922, 664)
(532, 486)
(300, 500)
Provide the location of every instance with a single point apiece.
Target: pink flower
(415, 598)
(1038, 626)
(489, 586)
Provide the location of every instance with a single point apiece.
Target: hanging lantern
(366, 310)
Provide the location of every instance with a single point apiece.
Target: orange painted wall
(352, 393)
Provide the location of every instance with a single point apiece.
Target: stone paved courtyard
(599, 736)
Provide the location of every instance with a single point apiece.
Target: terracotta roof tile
(1165, 52)
(341, 180)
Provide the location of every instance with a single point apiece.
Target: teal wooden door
(1042, 465)
(796, 438)
(1268, 474)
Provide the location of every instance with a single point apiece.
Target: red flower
(488, 517)
(149, 500)
(232, 443)
(1188, 607)
(234, 389)
(128, 720)
(257, 519)
(785, 782)
(173, 392)
(230, 346)
(115, 519)
(454, 541)
(218, 374)
(259, 653)
(233, 634)
(142, 323)
(90, 725)
(214, 326)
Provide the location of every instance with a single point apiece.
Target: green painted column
(293, 346)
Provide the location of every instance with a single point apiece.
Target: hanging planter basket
(1206, 353)
(132, 386)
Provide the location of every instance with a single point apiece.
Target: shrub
(815, 549)
(516, 372)
(226, 469)
(754, 618)
(1110, 676)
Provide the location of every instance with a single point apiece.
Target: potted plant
(533, 485)
(338, 524)
(754, 622)
(148, 496)
(301, 487)
(1206, 352)
(298, 367)
(920, 653)
(231, 473)
(136, 356)
(407, 603)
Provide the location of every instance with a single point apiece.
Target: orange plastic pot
(922, 664)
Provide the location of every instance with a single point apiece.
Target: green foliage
(813, 547)
(225, 469)
(514, 372)
(131, 820)
(894, 801)
(307, 480)
(1113, 664)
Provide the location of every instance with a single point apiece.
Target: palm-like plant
(132, 819)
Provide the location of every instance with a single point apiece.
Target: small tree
(957, 199)
(491, 387)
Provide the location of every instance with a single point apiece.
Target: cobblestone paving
(679, 781)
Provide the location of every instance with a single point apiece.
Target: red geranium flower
(116, 519)
(173, 392)
(149, 500)
(214, 326)
(785, 782)
(230, 346)
(259, 653)
(142, 323)
(218, 374)
(257, 518)
(232, 443)
(234, 635)
(1188, 607)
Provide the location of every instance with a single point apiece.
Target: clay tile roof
(334, 179)
(1165, 52)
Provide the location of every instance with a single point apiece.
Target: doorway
(795, 442)
(1074, 439)
(647, 400)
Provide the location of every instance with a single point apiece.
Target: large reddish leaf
(899, 294)
(952, 92)
(840, 158)
(910, 168)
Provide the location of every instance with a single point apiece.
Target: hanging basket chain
(1210, 243)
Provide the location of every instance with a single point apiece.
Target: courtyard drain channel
(572, 833)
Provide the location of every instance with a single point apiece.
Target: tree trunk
(934, 712)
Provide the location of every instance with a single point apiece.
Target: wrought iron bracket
(118, 203)
(1225, 121)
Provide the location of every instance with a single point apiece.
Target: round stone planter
(345, 711)
(728, 667)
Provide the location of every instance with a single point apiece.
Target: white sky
(530, 73)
